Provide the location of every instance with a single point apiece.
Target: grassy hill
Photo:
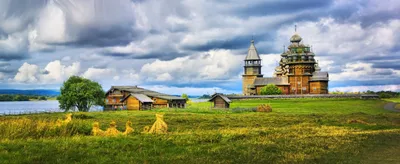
(297, 131)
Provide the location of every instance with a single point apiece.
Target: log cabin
(220, 101)
(136, 98)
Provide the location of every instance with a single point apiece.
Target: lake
(20, 107)
(25, 107)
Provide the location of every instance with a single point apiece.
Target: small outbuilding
(220, 101)
(137, 102)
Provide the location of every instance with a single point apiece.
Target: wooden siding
(159, 103)
(220, 103)
(319, 87)
(132, 103)
(248, 80)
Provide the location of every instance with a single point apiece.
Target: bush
(270, 89)
(385, 95)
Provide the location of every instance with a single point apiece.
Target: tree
(80, 93)
(42, 98)
(185, 96)
(270, 89)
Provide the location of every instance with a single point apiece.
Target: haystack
(264, 108)
(159, 127)
(128, 128)
(96, 131)
(112, 130)
(64, 122)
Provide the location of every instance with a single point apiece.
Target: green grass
(396, 100)
(297, 131)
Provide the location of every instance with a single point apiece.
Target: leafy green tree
(185, 96)
(80, 93)
(270, 89)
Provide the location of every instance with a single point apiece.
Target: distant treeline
(385, 94)
(21, 97)
(382, 94)
(34, 92)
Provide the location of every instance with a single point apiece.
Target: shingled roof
(141, 97)
(137, 90)
(320, 76)
(226, 99)
(252, 53)
(271, 80)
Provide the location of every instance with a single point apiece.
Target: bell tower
(252, 70)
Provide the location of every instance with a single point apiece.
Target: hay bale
(128, 128)
(112, 130)
(264, 108)
(64, 122)
(96, 131)
(159, 127)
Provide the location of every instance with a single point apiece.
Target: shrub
(270, 89)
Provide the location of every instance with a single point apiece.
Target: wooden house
(136, 98)
(220, 101)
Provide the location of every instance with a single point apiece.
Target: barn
(137, 102)
(220, 101)
(136, 98)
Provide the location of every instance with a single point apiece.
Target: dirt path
(391, 107)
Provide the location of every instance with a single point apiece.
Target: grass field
(297, 131)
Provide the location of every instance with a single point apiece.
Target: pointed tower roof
(252, 53)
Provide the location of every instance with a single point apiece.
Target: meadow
(296, 131)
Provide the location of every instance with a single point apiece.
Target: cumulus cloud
(56, 72)
(210, 66)
(27, 73)
(194, 43)
(98, 73)
(364, 71)
(53, 73)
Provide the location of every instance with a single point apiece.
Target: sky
(194, 46)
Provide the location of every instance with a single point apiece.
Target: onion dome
(295, 38)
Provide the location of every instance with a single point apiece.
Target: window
(114, 100)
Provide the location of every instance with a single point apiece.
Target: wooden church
(297, 73)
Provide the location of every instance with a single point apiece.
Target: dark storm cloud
(162, 55)
(97, 37)
(238, 42)
(109, 24)
(22, 12)
(280, 7)
(7, 56)
(392, 65)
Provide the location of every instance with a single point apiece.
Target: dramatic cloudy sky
(194, 46)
